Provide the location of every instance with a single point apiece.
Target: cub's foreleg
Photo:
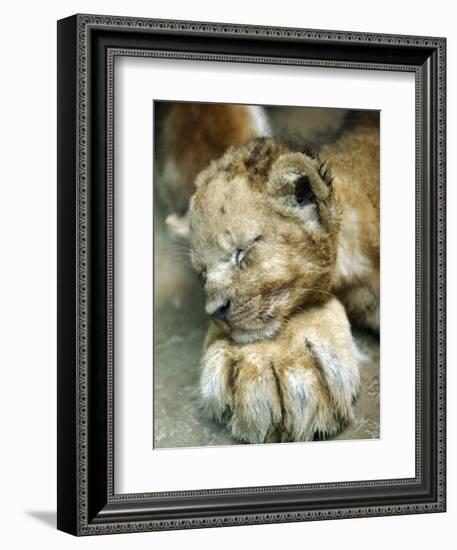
(291, 387)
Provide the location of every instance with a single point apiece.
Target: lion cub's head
(263, 224)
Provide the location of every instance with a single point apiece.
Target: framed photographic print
(251, 280)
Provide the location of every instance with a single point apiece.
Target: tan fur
(355, 163)
(297, 384)
(279, 365)
(192, 135)
(331, 245)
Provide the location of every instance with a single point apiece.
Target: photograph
(251, 274)
(266, 247)
(226, 253)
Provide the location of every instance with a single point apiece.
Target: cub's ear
(301, 185)
(297, 176)
(178, 226)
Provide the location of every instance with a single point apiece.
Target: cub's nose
(221, 311)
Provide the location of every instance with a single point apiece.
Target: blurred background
(180, 321)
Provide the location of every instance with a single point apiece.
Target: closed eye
(241, 253)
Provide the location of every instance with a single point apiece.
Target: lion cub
(282, 239)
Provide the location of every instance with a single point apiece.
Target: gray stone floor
(179, 330)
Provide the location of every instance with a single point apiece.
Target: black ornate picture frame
(87, 46)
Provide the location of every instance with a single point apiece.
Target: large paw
(265, 394)
(281, 399)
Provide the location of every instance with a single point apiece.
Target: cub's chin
(248, 336)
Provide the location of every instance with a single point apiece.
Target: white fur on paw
(178, 226)
(341, 377)
(214, 386)
(256, 407)
(299, 404)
